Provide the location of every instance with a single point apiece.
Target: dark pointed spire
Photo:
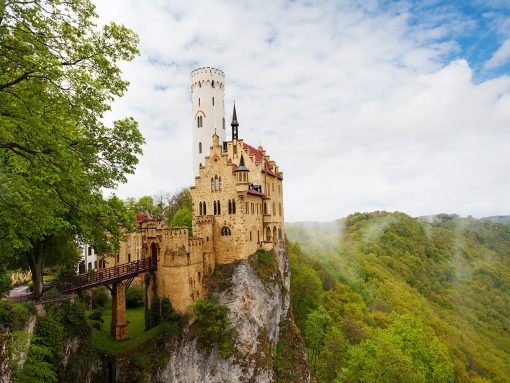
(241, 167)
(234, 124)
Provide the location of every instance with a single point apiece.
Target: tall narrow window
(200, 207)
(200, 148)
(212, 83)
(216, 183)
(205, 208)
(199, 121)
(199, 101)
(233, 206)
(213, 101)
(215, 211)
(212, 184)
(219, 208)
(220, 184)
(223, 123)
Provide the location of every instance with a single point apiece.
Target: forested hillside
(383, 297)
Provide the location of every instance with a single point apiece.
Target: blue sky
(365, 105)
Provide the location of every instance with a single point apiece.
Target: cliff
(256, 292)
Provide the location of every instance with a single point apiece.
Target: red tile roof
(253, 152)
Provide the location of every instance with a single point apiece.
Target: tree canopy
(409, 299)
(59, 76)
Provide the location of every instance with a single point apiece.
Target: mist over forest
(384, 297)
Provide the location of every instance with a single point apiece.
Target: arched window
(216, 183)
(200, 207)
(204, 206)
(212, 184)
(233, 206)
(225, 231)
(280, 234)
(199, 122)
(274, 234)
(268, 234)
(229, 207)
(220, 184)
(200, 148)
(219, 207)
(215, 210)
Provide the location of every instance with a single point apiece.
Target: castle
(237, 203)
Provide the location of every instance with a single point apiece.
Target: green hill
(383, 297)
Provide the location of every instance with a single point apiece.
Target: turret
(208, 112)
(242, 176)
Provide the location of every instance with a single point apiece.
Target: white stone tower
(208, 107)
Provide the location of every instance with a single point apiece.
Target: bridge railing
(103, 276)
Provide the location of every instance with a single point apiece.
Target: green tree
(317, 325)
(59, 76)
(183, 217)
(380, 359)
(406, 352)
(179, 200)
(332, 355)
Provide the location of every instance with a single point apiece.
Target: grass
(103, 341)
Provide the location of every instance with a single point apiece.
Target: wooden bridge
(119, 277)
(109, 276)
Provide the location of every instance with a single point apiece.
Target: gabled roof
(253, 152)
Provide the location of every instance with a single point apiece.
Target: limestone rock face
(258, 305)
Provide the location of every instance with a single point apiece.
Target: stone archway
(275, 234)
(268, 234)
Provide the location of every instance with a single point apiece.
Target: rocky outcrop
(259, 303)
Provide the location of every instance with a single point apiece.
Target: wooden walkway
(107, 276)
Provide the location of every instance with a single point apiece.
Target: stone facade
(237, 204)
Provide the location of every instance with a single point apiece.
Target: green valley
(384, 297)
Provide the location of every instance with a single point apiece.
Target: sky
(365, 105)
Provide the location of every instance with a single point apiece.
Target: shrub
(50, 333)
(13, 316)
(51, 293)
(135, 297)
(100, 297)
(37, 368)
(171, 322)
(5, 282)
(97, 315)
(212, 326)
(72, 316)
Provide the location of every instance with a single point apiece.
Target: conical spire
(234, 124)
(241, 167)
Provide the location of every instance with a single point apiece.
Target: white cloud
(358, 106)
(500, 57)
